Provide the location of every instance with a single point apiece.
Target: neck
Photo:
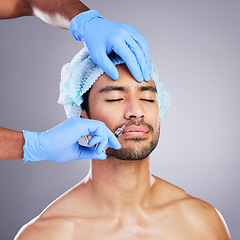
(119, 184)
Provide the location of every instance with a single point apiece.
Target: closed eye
(114, 100)
(147, 100)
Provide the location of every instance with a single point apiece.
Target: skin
(57, 13)
(121, 199)
(11, 144)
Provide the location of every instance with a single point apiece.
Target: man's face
(116, 102)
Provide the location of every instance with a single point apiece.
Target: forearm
(55, 12)
(11, 144)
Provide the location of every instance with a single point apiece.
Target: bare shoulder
(197, 214)
(57, 221)
(43, 228)
(204, 217)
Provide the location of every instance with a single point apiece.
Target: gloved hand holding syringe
(60, 144)
(117, 133)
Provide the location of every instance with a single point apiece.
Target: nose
(134, 110)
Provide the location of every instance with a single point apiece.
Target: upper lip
(134, 128)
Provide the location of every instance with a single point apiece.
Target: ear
(84, 114)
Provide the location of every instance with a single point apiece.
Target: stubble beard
(138, 152)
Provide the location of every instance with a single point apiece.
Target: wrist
(31, 150)
(11, 144)
(78, 24)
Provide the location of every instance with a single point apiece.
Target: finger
(138, 53)
(113, 142)
(120, 47)
(101, 146)
(94, 140)
(103, 61)
(105, 135)
(72, 129)
(143, 44)
(91, 153)
(98, 128)
(100, 132)
(93, 127)
(145, 50)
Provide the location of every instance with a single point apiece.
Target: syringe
(117, 133)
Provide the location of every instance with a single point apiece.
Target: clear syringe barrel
(118, 132)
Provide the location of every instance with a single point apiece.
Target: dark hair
(85, 105)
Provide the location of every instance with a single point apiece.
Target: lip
(136, 130)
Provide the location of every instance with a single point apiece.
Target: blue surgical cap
(78, 76)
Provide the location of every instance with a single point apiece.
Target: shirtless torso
(170, 214)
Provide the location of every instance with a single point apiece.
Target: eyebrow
(112, 88)
(148, 88)
(124, 89)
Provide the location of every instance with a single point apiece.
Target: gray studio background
(195, 44)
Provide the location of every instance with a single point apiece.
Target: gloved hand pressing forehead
(102, 36)
(60, 144)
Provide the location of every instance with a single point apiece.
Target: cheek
(151, 111)
(153, 115)
(106, 113)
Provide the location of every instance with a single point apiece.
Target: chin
(134, 153)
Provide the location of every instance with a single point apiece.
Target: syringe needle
(117, 133)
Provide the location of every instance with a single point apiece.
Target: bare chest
(148, 231)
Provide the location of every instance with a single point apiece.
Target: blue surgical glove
(60, 144)
(102, 36)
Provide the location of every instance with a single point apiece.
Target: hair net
(78, 76)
